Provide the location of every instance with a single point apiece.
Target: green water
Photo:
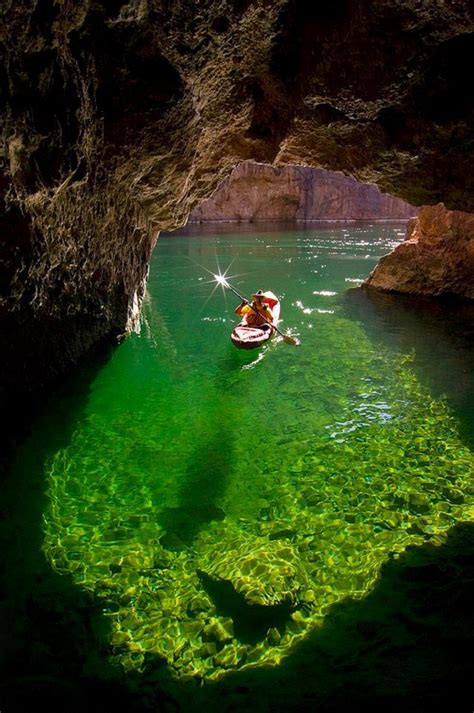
(217, 503)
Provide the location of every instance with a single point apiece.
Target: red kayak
(245, 337)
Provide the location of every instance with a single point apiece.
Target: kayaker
(251, 317)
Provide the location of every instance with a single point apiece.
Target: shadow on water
(251, 621)
(54, 638)
(439, 333)
(407, 646)
(209, 469)
(203, 485)
(211, 463)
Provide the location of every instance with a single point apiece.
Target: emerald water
(218, 503)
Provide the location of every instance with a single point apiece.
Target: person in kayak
(253, 319)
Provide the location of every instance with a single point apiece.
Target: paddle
(286, 337)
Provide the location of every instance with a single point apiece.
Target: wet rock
(273, 636)
(419, 503)
(199, 603)
(120, 638)
(191, 629)
(208, 649)
(219, 630)
(309, 596)
(171, 541)
(230, 657)
(162, 560)
(284, 534)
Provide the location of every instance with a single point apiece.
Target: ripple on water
(197, 485)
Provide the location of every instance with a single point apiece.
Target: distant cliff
(256, 191)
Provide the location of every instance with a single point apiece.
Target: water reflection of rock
(156, 328)
(439, 332)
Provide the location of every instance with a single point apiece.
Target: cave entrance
(258, 192)
(293, 203)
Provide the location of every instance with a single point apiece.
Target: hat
(259, 293)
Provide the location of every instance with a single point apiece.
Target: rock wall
(118, 118)
(257, 191)
(436, 258)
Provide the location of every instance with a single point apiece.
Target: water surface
(218, 503)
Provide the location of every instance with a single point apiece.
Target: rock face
(119, 118)
(257, 191)
(436, 258)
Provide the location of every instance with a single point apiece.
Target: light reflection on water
(288, 475)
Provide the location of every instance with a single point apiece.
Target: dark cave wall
(118, 118)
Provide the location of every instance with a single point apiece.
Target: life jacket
(253, 319)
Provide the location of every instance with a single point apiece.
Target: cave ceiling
(170, 96)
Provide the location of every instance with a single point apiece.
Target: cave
(119, 120)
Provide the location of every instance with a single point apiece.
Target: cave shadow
(54, 636)
(406, 646)
(37, 358)
(440, 333)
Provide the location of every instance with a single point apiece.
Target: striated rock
(436, 258)
(257, 191)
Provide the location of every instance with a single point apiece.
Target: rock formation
(264, 573)
(120, 117)
(436, 258)
(257, 191)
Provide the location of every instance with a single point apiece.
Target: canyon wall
(118, 118)
(256, 191)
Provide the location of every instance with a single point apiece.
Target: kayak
(245, 337)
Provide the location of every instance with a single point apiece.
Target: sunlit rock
(436, 258)
(257, 191)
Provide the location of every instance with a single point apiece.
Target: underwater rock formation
(264, 573)
(119, 118)
(256, 191)
(436, 258)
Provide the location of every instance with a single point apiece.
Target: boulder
(436, 258)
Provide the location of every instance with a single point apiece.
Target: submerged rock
(273, 636)
(264, 573)
(219, 630)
